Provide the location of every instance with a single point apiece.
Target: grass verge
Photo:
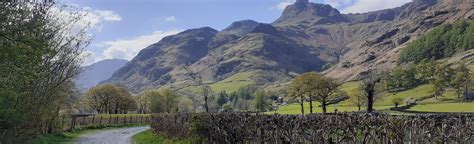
(148, 137)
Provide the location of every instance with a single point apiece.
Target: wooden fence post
(124, 119)
(73, 123)
(83, 120)
(100, 120)
(93, 119)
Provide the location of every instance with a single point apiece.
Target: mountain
(97, 72)
(305, 38)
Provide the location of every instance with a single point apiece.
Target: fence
(317, 128)
(77, 121)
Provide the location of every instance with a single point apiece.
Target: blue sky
(121, 28)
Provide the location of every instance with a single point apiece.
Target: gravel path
(113, 136)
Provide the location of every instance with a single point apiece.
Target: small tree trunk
(310, 104)
(205, 104)
(324, 107)
(370, 102)
(302, 105)
(359, 107)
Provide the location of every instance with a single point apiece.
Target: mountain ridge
(306, 37)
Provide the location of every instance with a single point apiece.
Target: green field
(449, 102)
(296, 108)
(408, 95)
(148, 137)
(444, 107)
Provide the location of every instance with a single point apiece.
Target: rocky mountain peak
(303, 10)
(241, 27)
(266, 29)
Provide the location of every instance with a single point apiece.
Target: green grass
(444, 107)
(296, 108)
(121, 115)
(408, 95)
(234, 82)
(61, 137)
(148, 137)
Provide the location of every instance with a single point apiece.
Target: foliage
(164, 101)
(397, 101)
(40, 56)
(222, 98)
(358, 98)
(340, 128)
(369, 87)
(441, 42)
(461, 80)
(261, 101)
(110, 99)
(442, 78)
(148, 137)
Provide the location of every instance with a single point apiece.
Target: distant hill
(305, 38)
(97, 72)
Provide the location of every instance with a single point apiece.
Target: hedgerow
(316, 128)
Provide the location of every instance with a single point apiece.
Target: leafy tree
(442, 78)
(110, 99)
(425, 70)
(222, 98)
(297, 90)
(397, 101)
(358, 98)
(169, 101)
(461, 80)
(40, 55)
(325, 91)
(261, 101)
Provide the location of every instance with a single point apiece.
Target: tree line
(443, 41)
(441, 76)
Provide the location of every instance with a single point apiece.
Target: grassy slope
(148, 137)
(234, 82)
(449, 102)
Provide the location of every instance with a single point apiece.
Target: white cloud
(170, 19)
(89, 57)
(129, 48)
(89, 18)
(96, 17)
(338, 3)
(352, 6)
(361, 6)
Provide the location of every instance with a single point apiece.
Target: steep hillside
(305, 38)
(97, 72)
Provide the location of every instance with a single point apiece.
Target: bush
(317, 128)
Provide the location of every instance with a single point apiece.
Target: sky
(121, 28)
